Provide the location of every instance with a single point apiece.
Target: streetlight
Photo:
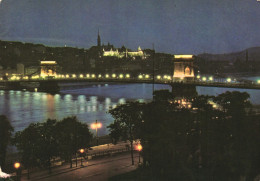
(139, 148)
(95, 126)
(17, 166)
(81, 154)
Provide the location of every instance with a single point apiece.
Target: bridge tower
(48, 68)
(183, 67)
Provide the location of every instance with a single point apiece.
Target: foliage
(126, 124)
(5, 136)
(39, 143)
(72, 135)
(200, 143)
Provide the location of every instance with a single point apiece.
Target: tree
(5, 136)
(127, 118)
(28, 145)
(48, 142)
(72, 135)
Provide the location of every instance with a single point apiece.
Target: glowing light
(48, 62)
(147, 76)
(169, 78)
(93, 75)
(228, 79)
(183, 56)
(81, 150)
(204, 78)
(81, 76)
(158, 77)
(114, 75)
(139, 147)
(258, 81)
(140, 76)
(127, 75)
(99, 76)
(67, 76)
(96, 125)
(121, 76)
(87, 75)
(198, 76)
(107, 76)
(165, 76)
(211, 78)
(73, 75)
(17, 165)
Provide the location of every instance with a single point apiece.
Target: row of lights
(211, 79)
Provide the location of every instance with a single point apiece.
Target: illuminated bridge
(183, 78)
(51, 84)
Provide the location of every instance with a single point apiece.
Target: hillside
(253, 55)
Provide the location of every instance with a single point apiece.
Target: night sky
(174, 26)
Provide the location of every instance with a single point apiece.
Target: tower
(98, 40)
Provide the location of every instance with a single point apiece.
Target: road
(98, 170)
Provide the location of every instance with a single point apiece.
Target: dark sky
(174, 26)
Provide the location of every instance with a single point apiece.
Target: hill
(253, 55)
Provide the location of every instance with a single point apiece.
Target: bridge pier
(180, 89)
(11, 85)
(50, 86)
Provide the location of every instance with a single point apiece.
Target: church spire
(98, 39)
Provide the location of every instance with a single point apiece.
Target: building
(109, 51)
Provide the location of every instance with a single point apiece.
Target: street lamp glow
(159, 77)
(67, 76)
(99, 76)
(258, 81)
(169, 78)
(204, 78)
(81, 75)
(198, 76)
(228, 79)
(139, 147)
(121, 76)
(127, 76)
(93, 75)
(147, 76)
(165, 76)
(211, 78)
(96, 125)
(81, 150)
(114, 75)
(17, 165)
(73, 75)
(140, 76)
(87, 75)
(107, 76)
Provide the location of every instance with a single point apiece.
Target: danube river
(89, 102)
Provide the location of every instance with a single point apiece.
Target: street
(99, 169)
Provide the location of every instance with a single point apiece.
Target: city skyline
(175, 27)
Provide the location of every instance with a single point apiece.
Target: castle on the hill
(109, 51)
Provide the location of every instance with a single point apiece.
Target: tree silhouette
(5, 136)
(127, 117)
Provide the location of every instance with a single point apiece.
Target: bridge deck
(149, 81)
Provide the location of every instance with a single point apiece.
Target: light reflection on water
(87, 103)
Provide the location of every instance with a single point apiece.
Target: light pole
(96, 126)
(81, 154)
(17, 166)
(139, 148)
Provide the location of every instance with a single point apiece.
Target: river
(88, 103)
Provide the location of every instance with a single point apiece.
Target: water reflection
(88, 104)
